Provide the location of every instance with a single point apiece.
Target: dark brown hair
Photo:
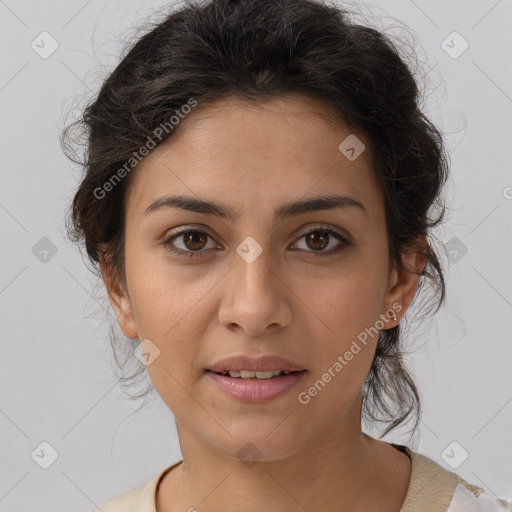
(256, 51)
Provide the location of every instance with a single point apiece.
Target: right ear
(119, 300)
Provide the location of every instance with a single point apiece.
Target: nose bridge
(252, 300)
(253, 267)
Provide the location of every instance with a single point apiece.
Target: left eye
(318, 239)
(194, 242)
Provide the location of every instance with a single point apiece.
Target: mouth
(255, 379)
(255, 387)
(250, 375)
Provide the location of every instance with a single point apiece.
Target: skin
(294, 303)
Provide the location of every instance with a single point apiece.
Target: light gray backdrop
(55, 371)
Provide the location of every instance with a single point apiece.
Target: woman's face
(252, 282)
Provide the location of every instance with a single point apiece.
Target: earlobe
(120, 301)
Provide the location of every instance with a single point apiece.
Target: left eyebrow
(287, 210)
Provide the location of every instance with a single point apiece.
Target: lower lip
(256, 390)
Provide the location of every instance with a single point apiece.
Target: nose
(255, 299)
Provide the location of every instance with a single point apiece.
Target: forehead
(246, 155)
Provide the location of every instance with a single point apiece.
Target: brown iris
(194, 237)
(317, 237)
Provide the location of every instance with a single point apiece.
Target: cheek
(170, 308)
(160, 293)
(334, 393)
(350, 299)
(343, 359)
(349, 307)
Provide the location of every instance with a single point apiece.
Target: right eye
(193, 242)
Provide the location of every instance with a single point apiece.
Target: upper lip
(255, 364)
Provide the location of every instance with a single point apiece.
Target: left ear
(403, 281)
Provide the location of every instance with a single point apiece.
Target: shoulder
(138, 499)
(129, 501)
(134, 500)
(435, 489)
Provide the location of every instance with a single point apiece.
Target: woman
(258, 197)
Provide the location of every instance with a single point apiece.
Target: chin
(252, 445)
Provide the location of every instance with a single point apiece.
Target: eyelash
(193, 254)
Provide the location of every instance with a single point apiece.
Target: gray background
(56, 379)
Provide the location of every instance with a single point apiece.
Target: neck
(347, 471)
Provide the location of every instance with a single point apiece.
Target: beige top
(431, 489)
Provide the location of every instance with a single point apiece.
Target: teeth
(246, 374)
